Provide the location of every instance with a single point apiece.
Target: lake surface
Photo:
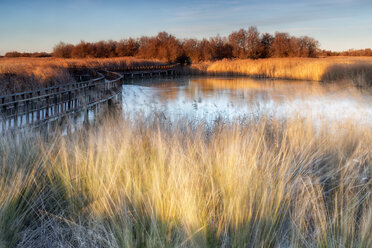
(212, 98)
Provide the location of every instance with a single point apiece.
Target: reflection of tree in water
(164, 89)
(263, 89)
(235, 97)
(236, 89)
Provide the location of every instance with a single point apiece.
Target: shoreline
(357, 71)
(22, 74)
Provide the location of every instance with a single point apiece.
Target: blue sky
(37, 25)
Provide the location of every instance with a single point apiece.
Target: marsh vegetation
(131, 183)
(354, 70)
(160, 178)
(22, 74)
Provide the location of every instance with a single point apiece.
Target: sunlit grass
(357, 70)
(137, 183)
(21, 74)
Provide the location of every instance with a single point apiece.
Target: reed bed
(21, 74)
(357, 70)
(141, 183)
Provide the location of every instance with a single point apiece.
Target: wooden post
(47, 107)
(37, 112)
(69, 101)
(3, 117)
(32, 113)
(27, 113)
(15, 114)
(55, 105)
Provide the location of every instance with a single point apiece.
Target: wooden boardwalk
(150, 71)
(38, 107)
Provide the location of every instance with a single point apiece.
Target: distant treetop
(35, 55)
(243, 44)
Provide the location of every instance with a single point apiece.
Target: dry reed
(21, 74)
(140, 184)
(357, 70)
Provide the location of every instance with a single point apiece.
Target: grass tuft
(150, 184)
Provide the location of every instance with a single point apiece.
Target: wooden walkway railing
(34, 108)
(149, 71)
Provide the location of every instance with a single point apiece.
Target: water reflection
(207, 98)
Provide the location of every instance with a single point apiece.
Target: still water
(210, 98)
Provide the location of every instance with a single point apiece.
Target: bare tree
(63, 50)
(253, 43)
(267, 43)
(241, 44)
(220, 48)
(281, 45)
(191, 48)
(238, 41)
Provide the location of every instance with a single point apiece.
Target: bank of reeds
(357, 70)
(140, 184)
(21, 74)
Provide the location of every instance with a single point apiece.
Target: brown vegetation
(32, 55)
(241, 44)
(357, 70)
(160, 184)
(351, 52)
(21, 74)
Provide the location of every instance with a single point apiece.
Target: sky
(38, 25)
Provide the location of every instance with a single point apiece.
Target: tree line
(15, 54)
(244, 44)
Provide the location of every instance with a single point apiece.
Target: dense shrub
(241, 44)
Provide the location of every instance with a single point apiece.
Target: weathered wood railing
(153, 70)
(37, 107)
(33, 108)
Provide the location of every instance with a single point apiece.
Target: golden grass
(8, 65)
(19, 74)
(139, 184)
(356, 69)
